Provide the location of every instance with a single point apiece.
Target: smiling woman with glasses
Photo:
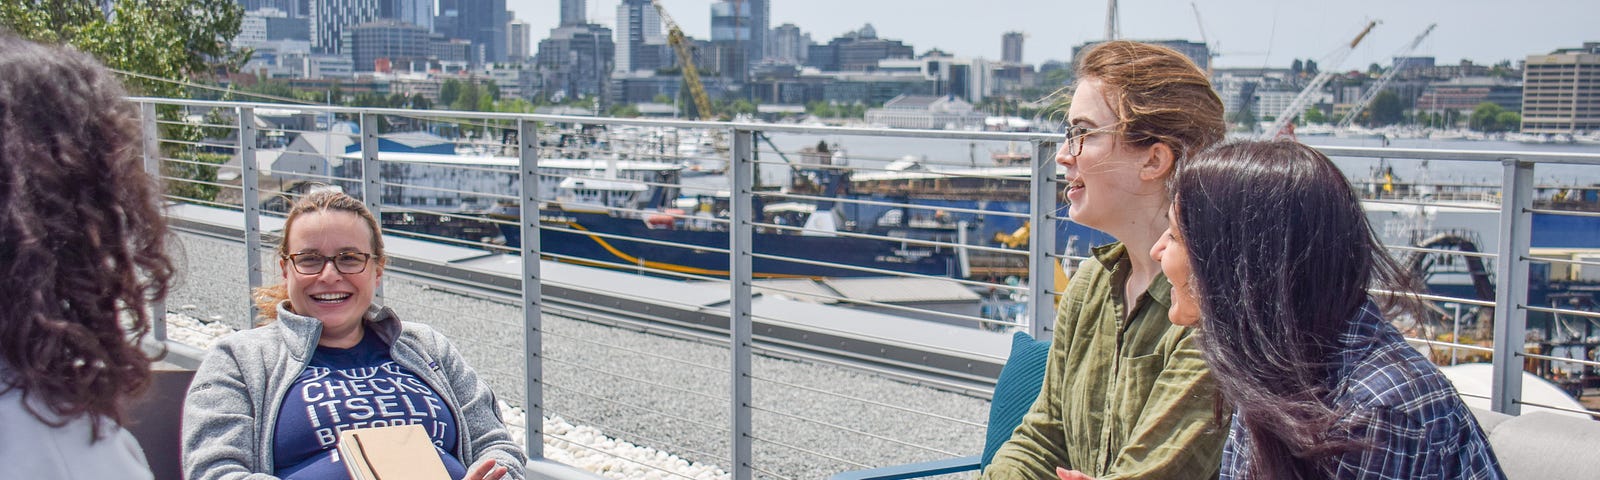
(335, 361)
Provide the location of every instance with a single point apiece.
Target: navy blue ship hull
(594, 238)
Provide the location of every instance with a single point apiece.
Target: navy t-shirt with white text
(348, 388)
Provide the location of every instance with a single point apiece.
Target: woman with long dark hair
(1271, 255)
(81, 248)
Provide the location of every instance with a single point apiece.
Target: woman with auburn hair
(82, 238)
(1270, 254)
(272, 400)
(1126, 393)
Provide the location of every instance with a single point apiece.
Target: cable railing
(746, 320)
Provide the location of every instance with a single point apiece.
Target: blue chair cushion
(1015, 391)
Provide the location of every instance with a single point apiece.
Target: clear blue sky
(1245, 32)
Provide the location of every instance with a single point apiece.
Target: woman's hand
(1071, 474)
(487, 470)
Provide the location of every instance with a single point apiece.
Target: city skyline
(1245, 33)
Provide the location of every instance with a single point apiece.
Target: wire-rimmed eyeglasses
(312, 263)
(1075, 135)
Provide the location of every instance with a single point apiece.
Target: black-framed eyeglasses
(312, 263)
(1076, 134)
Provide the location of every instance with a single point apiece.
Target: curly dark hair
(81, 236)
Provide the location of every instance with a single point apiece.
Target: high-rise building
(483, 22)
(858, 50)
(1561, 91)
(1011, 47)
(576, 60)
(739, 33)
(415, 12)
(330, 17)
(517, 44)
(387, 45)
(789, 44)
(641, 43)
(572, 12)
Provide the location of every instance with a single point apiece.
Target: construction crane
(691, 76)
(1210, 50)
(1330, 65)
(1371, 93)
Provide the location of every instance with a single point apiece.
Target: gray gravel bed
(666, 393)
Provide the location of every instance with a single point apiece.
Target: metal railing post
(371, 177)
(249, 183)
(1042, 241)
(741, 172)
(152, 165)
(532, 291)
(1511, 276)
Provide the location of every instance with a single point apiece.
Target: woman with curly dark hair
(81, 248)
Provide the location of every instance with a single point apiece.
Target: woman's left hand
(488, 470)
(1071, 474)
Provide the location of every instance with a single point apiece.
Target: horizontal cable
(218, 166)
(1593, 415)
(448, 240)
(896, 273)
(811, 452)
(1431, 297)
(356, 136)
(171, 141)
(870, 402)
(1568, 213)
(613, 455)
(1430, 204)
(770, 473)
(1579, 361)
(855, 201)
(197, 124)
(485, 219)
(649, 410)
(1562, 261)
(1563, 311)
(640, 381)
(852, 430)
(1443, 251)
(1449, 345)
(200, 182)
(649, 241)
(891, 306)
(867, 236)
(686, 363)
(182, 199)
(408, 186)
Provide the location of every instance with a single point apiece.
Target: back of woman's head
(1282, 257)
(81, 230)
(1159, 95)
(320, 199)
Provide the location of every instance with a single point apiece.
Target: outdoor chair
(1014, 393)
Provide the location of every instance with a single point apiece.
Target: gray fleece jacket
(231, 411)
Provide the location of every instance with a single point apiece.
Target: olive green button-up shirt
(1125, 395)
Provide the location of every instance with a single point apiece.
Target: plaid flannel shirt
(1400, 404)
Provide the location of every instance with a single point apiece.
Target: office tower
(483, 22)
(517, 43)
(1011, 47)
(572, 12)
(789, 44)
(1561, 91)
(641, 44)
(329, 18)
(739, 34)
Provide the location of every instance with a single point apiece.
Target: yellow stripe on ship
(670, 266)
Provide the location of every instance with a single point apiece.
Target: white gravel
(627, 404)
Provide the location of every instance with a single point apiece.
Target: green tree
(1508, 121)
(420, 102)
(1485, 117)
(1314, 115)
(449, 91)
(168, 39)
(1385, 109)
(624, 110)
(661, 98)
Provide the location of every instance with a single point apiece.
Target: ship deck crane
(1331, 63)
(691, 76)
(1371, 93)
